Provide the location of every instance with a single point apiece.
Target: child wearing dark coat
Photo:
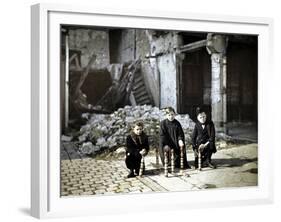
(203, 138)
(137, 146)
(172, 137)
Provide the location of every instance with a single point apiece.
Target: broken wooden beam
(193, 46)
(83, 77)
(120, 92)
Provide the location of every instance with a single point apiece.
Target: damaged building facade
(107, 68)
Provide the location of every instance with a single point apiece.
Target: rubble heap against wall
(110, 130)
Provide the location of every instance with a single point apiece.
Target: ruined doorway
(195, 84)
(242, 81)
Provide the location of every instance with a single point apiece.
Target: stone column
(216, 46)
(66, 102)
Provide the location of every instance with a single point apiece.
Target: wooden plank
(193, 46)
(138, 81)
(141, 94)
(83, 77)
(138, 85)
(142, 99)
(132, 99)
(143, 102)
(139, 89)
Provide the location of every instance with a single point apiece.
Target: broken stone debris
(111, 130)
(87, 148)
(65, 138)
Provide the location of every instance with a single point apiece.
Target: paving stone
(125, 183)
(84, 186)
(87, 193)
(113, 185)
(87, 182)
(86, 178)
(112, 189)
(124, 190)
(73, 180)
(71, 188)
(71, 174)
(134, 189)
(101, 187)
(88, 189)
(124, 186)
(70, 184)
(76, 192)
(119, 181)
(108, 182)
(137, 184)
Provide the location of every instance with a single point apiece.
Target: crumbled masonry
(110, 130)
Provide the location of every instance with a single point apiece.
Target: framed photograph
(148, 110)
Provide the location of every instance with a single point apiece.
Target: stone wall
(90, 42)
(163, 45)
(168, 80)
(127, 46)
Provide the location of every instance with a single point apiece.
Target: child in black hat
(203, 138)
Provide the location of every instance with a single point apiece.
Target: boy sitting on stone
(203, 138)
(172, 137)
(137, 146)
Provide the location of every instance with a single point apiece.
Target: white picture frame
(45, 162)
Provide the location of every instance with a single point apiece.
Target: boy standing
(203, 138)
(137, 147)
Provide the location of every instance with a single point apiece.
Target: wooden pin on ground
(181, 160)
(199, 160)
(166, 164)
(172, 161)
(141, 166)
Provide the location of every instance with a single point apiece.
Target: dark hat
(199, 110)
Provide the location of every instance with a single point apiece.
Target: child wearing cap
(203, 138)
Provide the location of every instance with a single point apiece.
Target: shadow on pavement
(253, 170)
(152, 172)
(233, 162)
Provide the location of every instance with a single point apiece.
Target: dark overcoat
(134, 144)
(170, 134)
(202, 135)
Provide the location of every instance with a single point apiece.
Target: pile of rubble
(110, 130)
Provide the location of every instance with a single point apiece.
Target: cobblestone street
(236, 167)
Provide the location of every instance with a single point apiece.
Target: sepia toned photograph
(144, 111)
